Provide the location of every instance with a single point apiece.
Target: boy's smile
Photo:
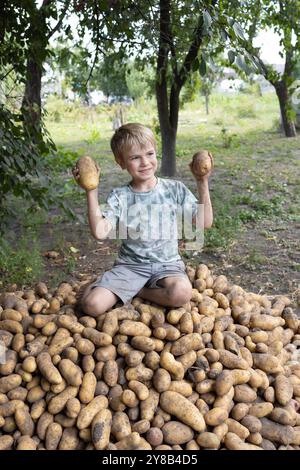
(141, 164)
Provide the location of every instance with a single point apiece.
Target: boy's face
(140, 162)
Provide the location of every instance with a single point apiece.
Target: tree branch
(193, 51)
(61, 18)
(97, 43)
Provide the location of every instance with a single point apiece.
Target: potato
(29, 364)
(10, 363)
(44, 421)
(201, 164)
(244, 394)
(88, 175)
(101, 427)
(88, 387)
(110, 373)
(110, 325)
(47, 369)
(183, 409)
(58, 402)
(152, 359)
(85, 346)
(26, 443)
(88, 412)
(208, 440)
(181, 386)
(252, 423)
(98, 338)
(187, 359)
(216, 416)
(187, 343)
(59, 346)
(237, 428)
(266, 322)
(276, 432)
(129, 399)
(142, 426)
(6, 442)
(35, 394)
(70, 372)
(231, 361)
(143, 343)
(220, 431)
(69, 439)
(10, 382)
(233, 442)
(106, 353)
(37, 409)
(24, 422)
(169, 363)
(134, 328)
(121, 427)
(9, 408)
(53, 436)
(176, 433)
(261, 409)
(140, 373)
(267, 363)
(139, 389)
(154, 436)
(283, 389)
(149, 405)
(73, 407)
(11, 326)
(161, 380)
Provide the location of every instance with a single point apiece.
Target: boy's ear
(120, 162)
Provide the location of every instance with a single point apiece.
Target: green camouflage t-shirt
(150, 223)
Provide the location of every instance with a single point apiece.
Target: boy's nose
(144, 161)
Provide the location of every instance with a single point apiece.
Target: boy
(149, 267)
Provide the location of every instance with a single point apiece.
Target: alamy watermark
(3, 350)
(154, 222)
(296, 95)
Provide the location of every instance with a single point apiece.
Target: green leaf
(202, 68)
(223, 35)
(231, 56)
(207, 19)
(238, 30)
(195, 65)
(240, 62)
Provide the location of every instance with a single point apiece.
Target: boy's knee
(90, 306)
(179, 292)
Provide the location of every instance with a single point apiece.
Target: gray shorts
(127, 279)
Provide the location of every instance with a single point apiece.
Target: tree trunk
(283, 97)
(207, 103)
(31, 104)
(168, 138)
(168, 121)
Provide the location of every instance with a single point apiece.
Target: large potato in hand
(86, 173)
(201, 164)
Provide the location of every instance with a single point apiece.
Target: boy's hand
(202, 165)
(87, 178)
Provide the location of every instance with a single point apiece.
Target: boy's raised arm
(204, 198)
(100, 227)
(201, 167)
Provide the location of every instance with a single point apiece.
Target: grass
(256, 175)
(16, 266)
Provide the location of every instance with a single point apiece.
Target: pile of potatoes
(221, 372)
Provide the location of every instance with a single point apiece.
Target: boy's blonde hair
(128, 135)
